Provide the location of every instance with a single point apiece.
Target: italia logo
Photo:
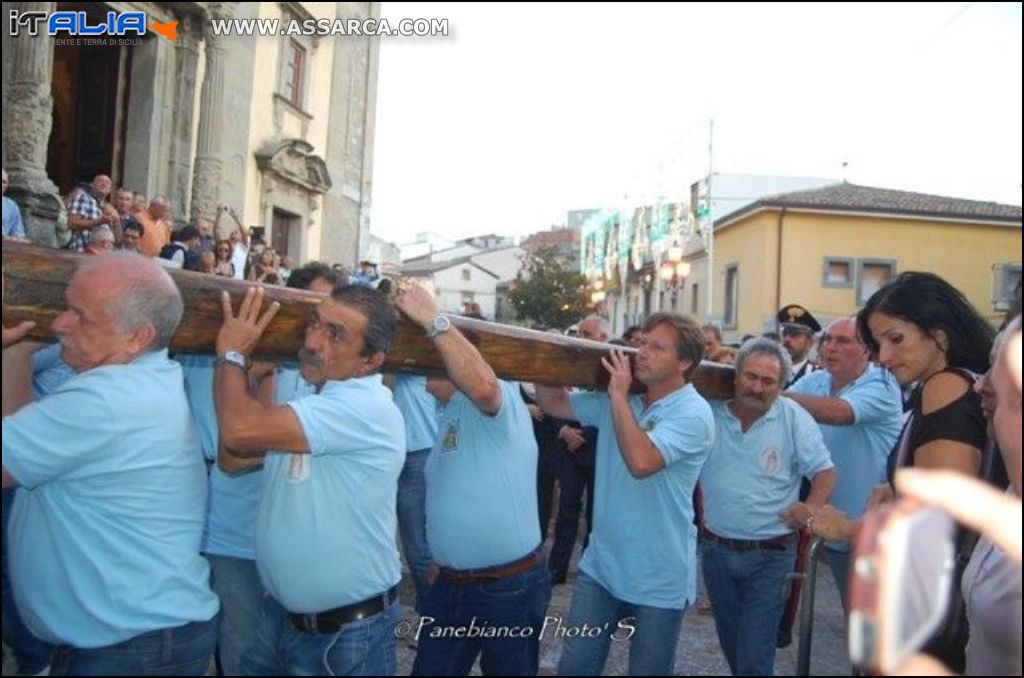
(117, 24)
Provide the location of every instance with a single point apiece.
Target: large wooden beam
(37, 278)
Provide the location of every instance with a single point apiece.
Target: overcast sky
(526, 111)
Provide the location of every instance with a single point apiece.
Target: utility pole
(709, 242)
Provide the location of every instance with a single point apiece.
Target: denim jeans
(839, 564)
(653, 633)
(31, 654)
(748, 596)
(500, 621)
(237, 583)
(180, 651)
(361, 648)
(412, 519)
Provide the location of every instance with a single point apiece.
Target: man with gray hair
(101, 241)
(763, 446)
(105, 531)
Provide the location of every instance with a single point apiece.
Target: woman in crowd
(925, 333)
(223, 265)
(992, 582)
(266, 270)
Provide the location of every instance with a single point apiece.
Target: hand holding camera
(900, 580)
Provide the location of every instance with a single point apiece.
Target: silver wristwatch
(234, 358)
(441, 324)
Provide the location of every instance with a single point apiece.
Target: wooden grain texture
(37, 278)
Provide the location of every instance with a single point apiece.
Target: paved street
(698, 653)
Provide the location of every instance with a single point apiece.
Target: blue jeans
(653, 633)
(180, 651)
(31, 654)
(499, 620)
(748, 591)
(839, 564)
(412, 519)
(361, 648)
(237, 583)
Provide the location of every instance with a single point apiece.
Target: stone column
(28, 118)
(187, 52)
(206, 174)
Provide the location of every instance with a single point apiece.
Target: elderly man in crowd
(859, 410)
(325, 531)
(764, 445)
(105, 531)
(88, 210)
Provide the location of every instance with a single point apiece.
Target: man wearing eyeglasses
(858, 409)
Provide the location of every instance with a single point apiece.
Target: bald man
(105, 536)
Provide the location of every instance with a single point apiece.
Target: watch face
(441, 324)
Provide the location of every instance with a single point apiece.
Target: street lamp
(675, 252)
(673, 276)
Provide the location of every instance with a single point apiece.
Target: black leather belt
(331, 621)
(780, 543)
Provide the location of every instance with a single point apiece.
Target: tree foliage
(547, 291)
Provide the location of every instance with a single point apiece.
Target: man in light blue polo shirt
(229, 538)
(493, 586)
(325, 533)
(859, 409)
(764, 445)
(638, 574)
(106, 527)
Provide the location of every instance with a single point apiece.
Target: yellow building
(829, 249)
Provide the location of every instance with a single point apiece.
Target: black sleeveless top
(961, 421)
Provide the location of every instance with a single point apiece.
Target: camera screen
(900, 584)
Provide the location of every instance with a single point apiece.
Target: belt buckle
(309, 623)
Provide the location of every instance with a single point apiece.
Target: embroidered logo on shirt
(770, 460)
(298, 468)
(451, 437)
(649, 425)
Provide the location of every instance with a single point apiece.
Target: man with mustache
(234, 497)
(639, 572)
(325, 530)
(763, 446)
(859, 410)
(105, 531)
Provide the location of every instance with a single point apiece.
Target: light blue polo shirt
(325, 533)
(233, 499)
(482, 484)
(643, 546)
(859, 450)
(750, 478)
(49, 370)
(420, 410)
(105, 532)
